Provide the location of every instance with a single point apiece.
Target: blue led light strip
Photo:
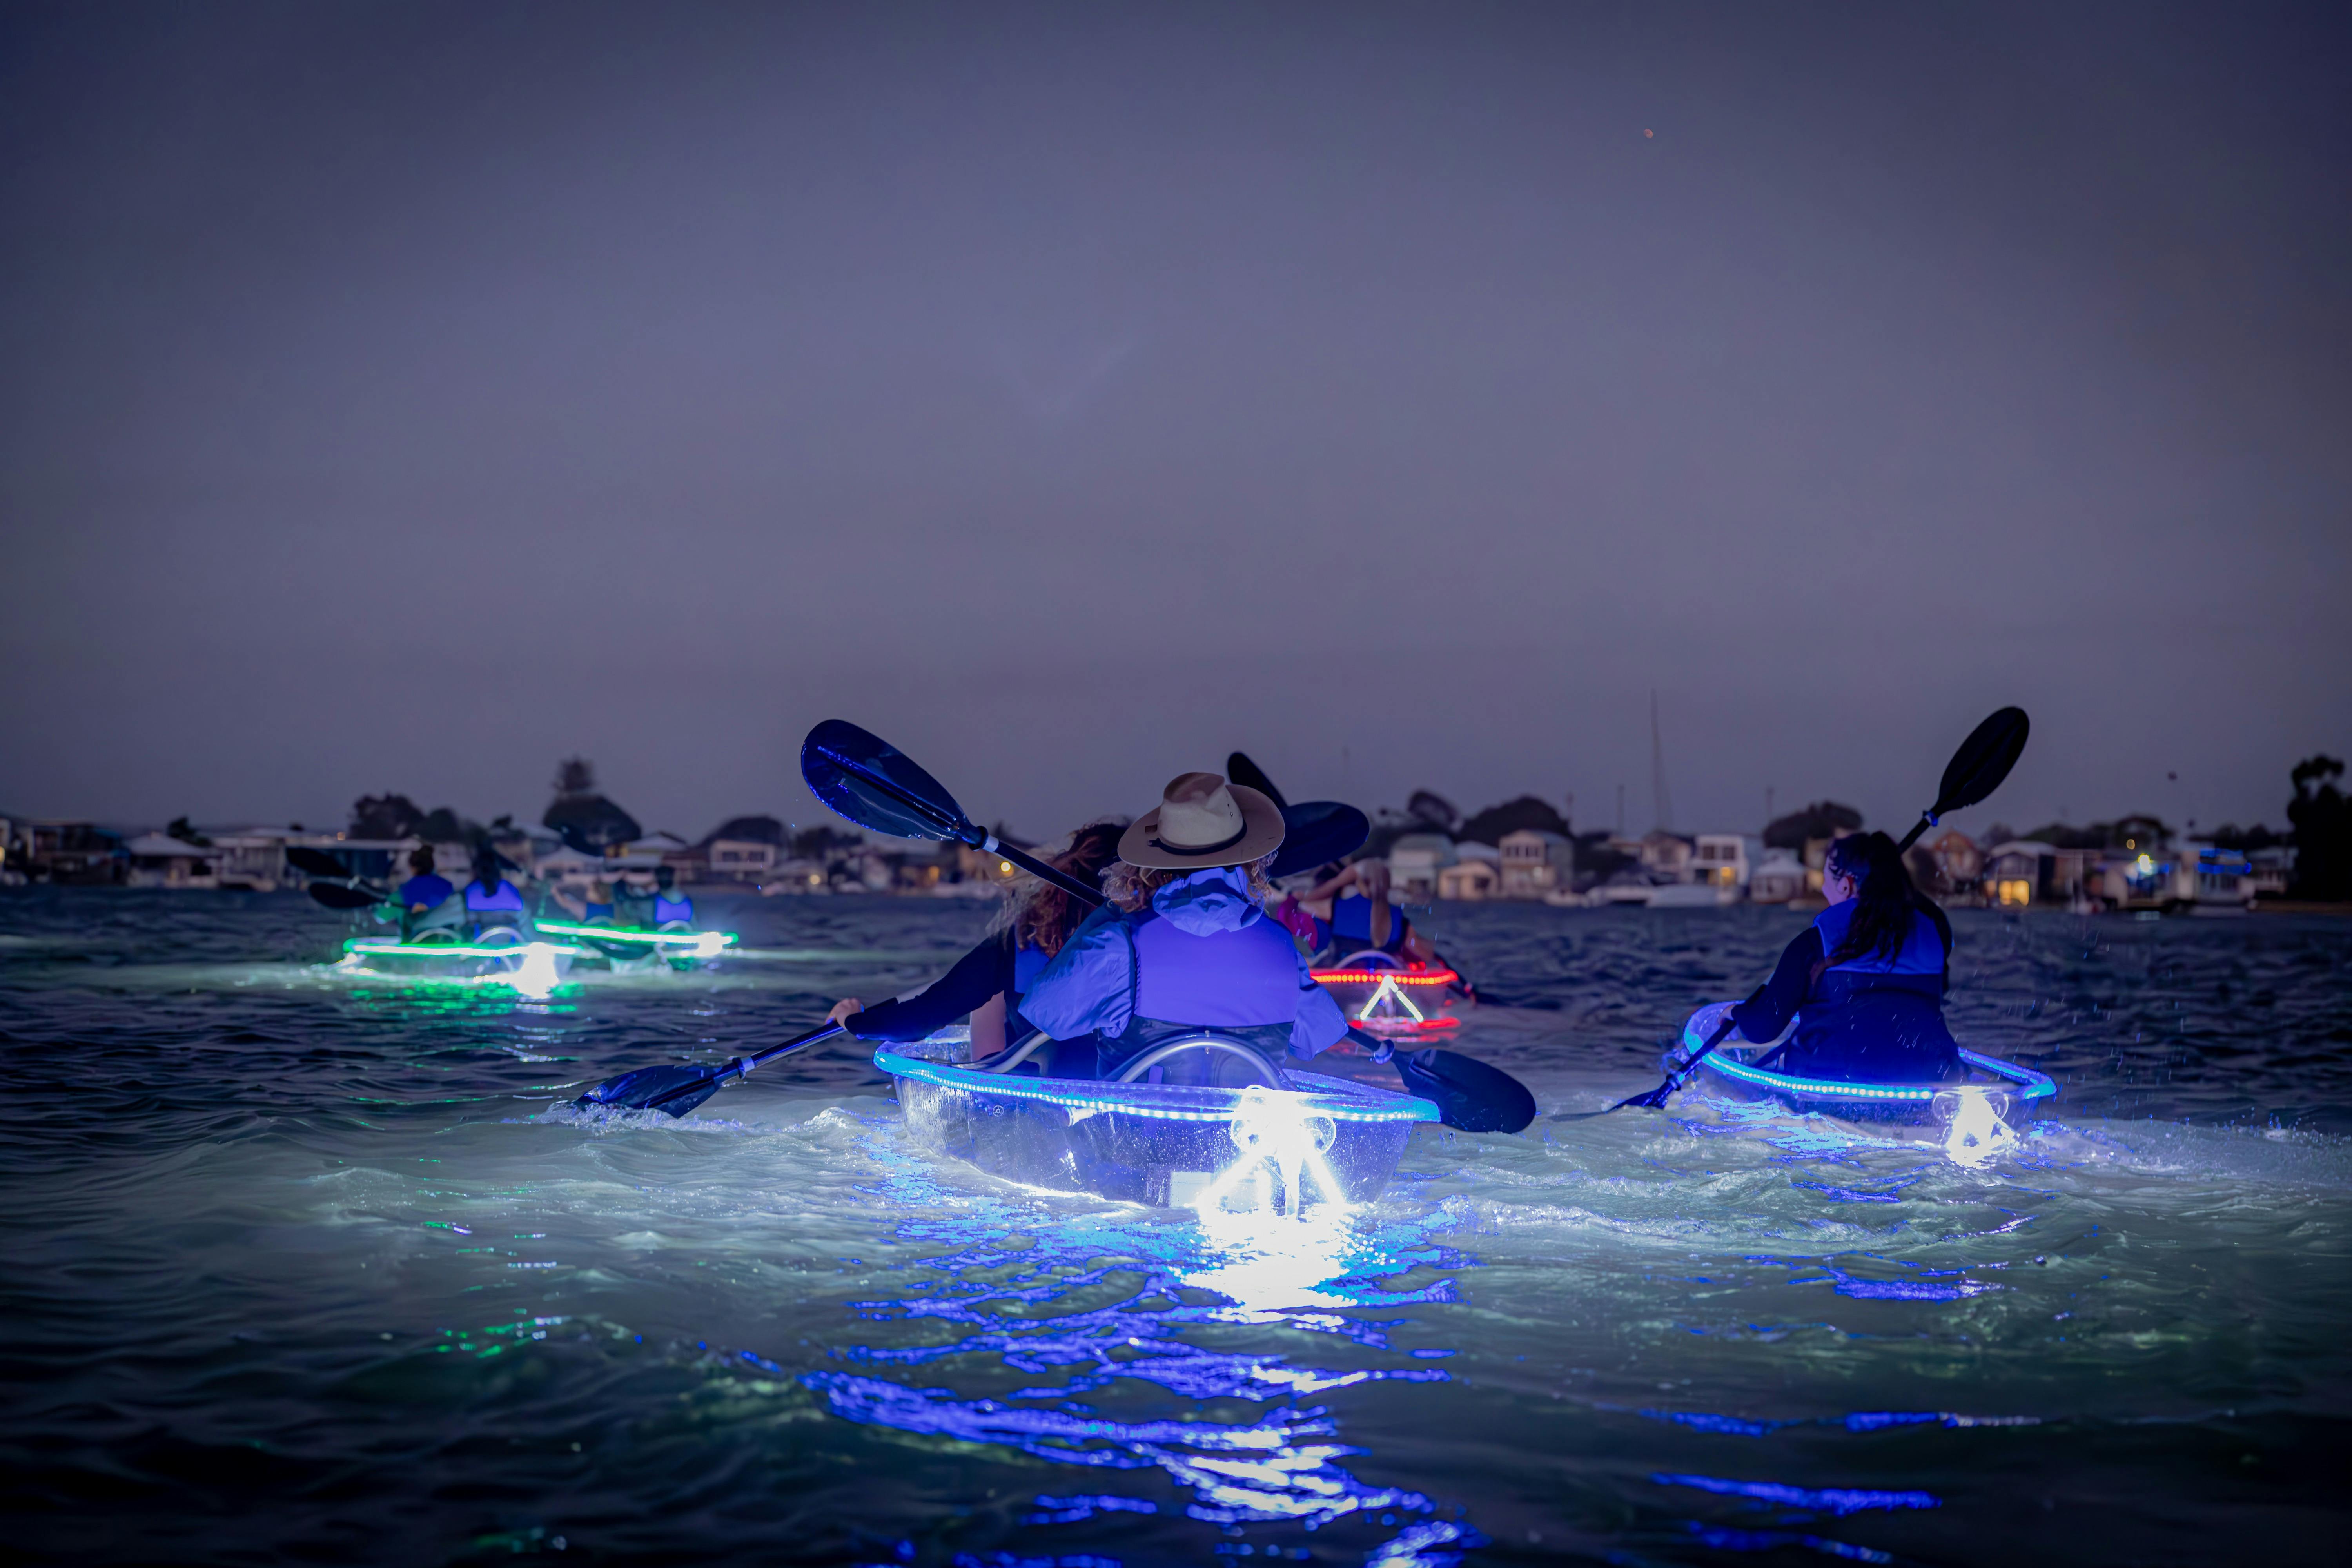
(2027, 1083)
(1084, 1095)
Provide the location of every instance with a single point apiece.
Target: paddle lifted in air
(874, 784)
(1860, 963)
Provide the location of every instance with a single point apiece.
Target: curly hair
(1041, 915)
(1131, 886)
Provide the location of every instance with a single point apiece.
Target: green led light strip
(615, 934)
(376, 947)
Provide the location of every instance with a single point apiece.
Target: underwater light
(1283, 1130)
(537, 977)
(1976, 1128)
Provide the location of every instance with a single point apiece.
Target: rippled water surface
(297, 1267)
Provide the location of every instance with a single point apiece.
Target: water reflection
(1111, 1321)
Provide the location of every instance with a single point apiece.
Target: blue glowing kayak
(1290, 1139)
(2005, 1090)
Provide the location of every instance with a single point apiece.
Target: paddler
(1866, 980)
(1186, 944)
(490, 899)
(424, 891)
(654, 908)
(991, 983)
(1352, 914)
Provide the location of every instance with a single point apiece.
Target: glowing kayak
(1292, 1140)
(1386, 997)
(1971, 1117)
(502, 955)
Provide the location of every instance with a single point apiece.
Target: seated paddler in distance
(490, 899)
(1184, 944)
(652, 907)
(1350, 911)
(991, 982)
(424, 894)
(1865, 982)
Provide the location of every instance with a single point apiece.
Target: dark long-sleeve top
(985, 972)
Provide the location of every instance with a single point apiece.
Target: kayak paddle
(1314, 832)
(875, 785)
(1240, 770)
(677, 1088)
(1975, 769)
(339, 896)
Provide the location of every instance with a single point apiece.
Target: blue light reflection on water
(1283, 1465)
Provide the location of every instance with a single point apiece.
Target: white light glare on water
(1975, 1133)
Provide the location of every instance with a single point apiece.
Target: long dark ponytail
(1884, 898)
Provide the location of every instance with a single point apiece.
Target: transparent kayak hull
(2008, 1090)
(1168, 1145)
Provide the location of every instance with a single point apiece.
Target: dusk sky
(406, 398)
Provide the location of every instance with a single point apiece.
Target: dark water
(301, 1269)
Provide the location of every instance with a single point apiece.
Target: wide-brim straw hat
(1203, 821)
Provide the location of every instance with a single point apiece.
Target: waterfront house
(1777, 877)
(743, 859)
(1724, 860)
(158, 860)
(60, 850)
(1415, 861)
(1667, 857)
(1947, 864)
(1534, 863)
(1472, 878)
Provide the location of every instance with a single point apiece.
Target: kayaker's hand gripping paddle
(1975, 769)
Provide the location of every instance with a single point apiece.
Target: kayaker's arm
(1763, 1015)
(983, 973)
(1319, 1025)
(1087, 989)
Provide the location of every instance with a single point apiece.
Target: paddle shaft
(963, 830)
(741, 1066)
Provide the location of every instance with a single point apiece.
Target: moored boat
(1287, 1141)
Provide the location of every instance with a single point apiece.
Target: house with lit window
(1777, 878)
(1947, 864)
(1724, 859)
(1473, 878)
(1533, 863)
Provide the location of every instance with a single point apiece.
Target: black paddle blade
(1468, 1094)
(1240, 770)
(335, 896)
(675, 1087)
(870, 781)
(315, 862)
(1316, 832)
(1984, 760)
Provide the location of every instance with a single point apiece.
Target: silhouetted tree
(1822, 819)
(180, 830)
(1526, 812)
(386, 816)
(2323, 830)
(582, 818)
(1429, 807)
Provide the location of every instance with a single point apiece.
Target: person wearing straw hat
(1184, 942)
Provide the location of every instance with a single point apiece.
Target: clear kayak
(1980, 1112)
(505, 954)
(1290, 1139)
(1381, 994)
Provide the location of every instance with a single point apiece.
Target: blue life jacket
(668, 909)
(597, 911)
(425, 888)
(1029, 961)
(1351, 925)
(501, 900)
(1227, 979)
(1917, 965)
